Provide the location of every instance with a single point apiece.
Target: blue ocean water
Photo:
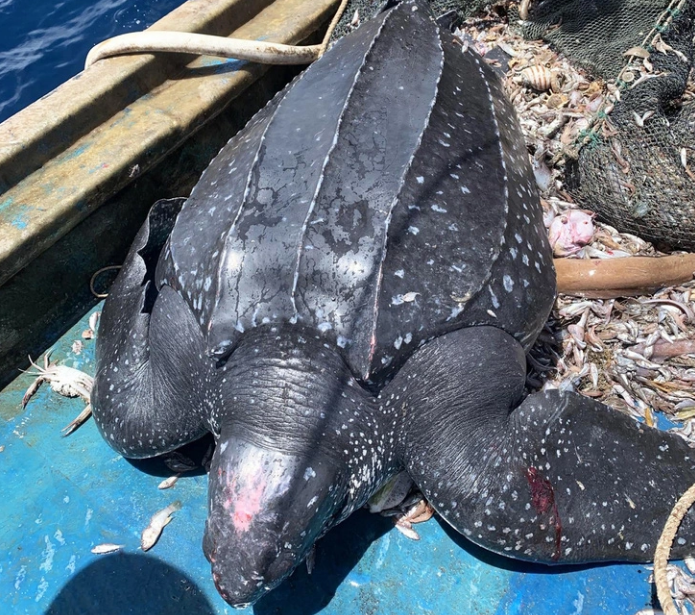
(45, 42)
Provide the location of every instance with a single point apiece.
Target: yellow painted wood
(99, 161)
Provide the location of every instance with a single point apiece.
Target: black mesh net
(633, 165)
(360, 10)
(593, 33)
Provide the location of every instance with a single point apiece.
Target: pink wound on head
(245, 501)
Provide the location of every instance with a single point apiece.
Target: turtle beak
(266, 510)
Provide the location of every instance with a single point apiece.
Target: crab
(66, 381)
(413, 509)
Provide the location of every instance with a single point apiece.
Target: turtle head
(266, 510)
(298, 448)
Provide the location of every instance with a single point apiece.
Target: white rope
(203, 44)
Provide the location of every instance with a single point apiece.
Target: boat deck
(62, 496)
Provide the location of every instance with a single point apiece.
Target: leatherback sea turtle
(349, 291)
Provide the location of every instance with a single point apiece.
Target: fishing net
(632, 165)
(358, 11)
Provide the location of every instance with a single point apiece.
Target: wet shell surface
(379, 239)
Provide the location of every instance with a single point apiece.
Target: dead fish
(664, 349)
(680, 305)
(355, 19)
(151, 534)
(641, 119)
(523, 9)
(90, 333)
(93, 320)
(543, 175)
(638, 52)
(689, 562)
(168, 483)
(106, 547)
(408, 532)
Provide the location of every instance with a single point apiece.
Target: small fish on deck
(91, 333)
(168, 483)
(151, 534)
(106, 547)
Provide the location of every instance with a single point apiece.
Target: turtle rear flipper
(558, 478)
(145, 395)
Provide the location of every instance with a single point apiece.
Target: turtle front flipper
(558, 478)
(148, 373)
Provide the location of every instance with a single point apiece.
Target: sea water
(45, 42)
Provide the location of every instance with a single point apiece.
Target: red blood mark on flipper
(542, 494)
(543, 501)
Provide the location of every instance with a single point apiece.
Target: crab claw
(40, 378)
(78, 421)
(31, 391)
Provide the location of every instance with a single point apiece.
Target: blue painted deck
(62, 496)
